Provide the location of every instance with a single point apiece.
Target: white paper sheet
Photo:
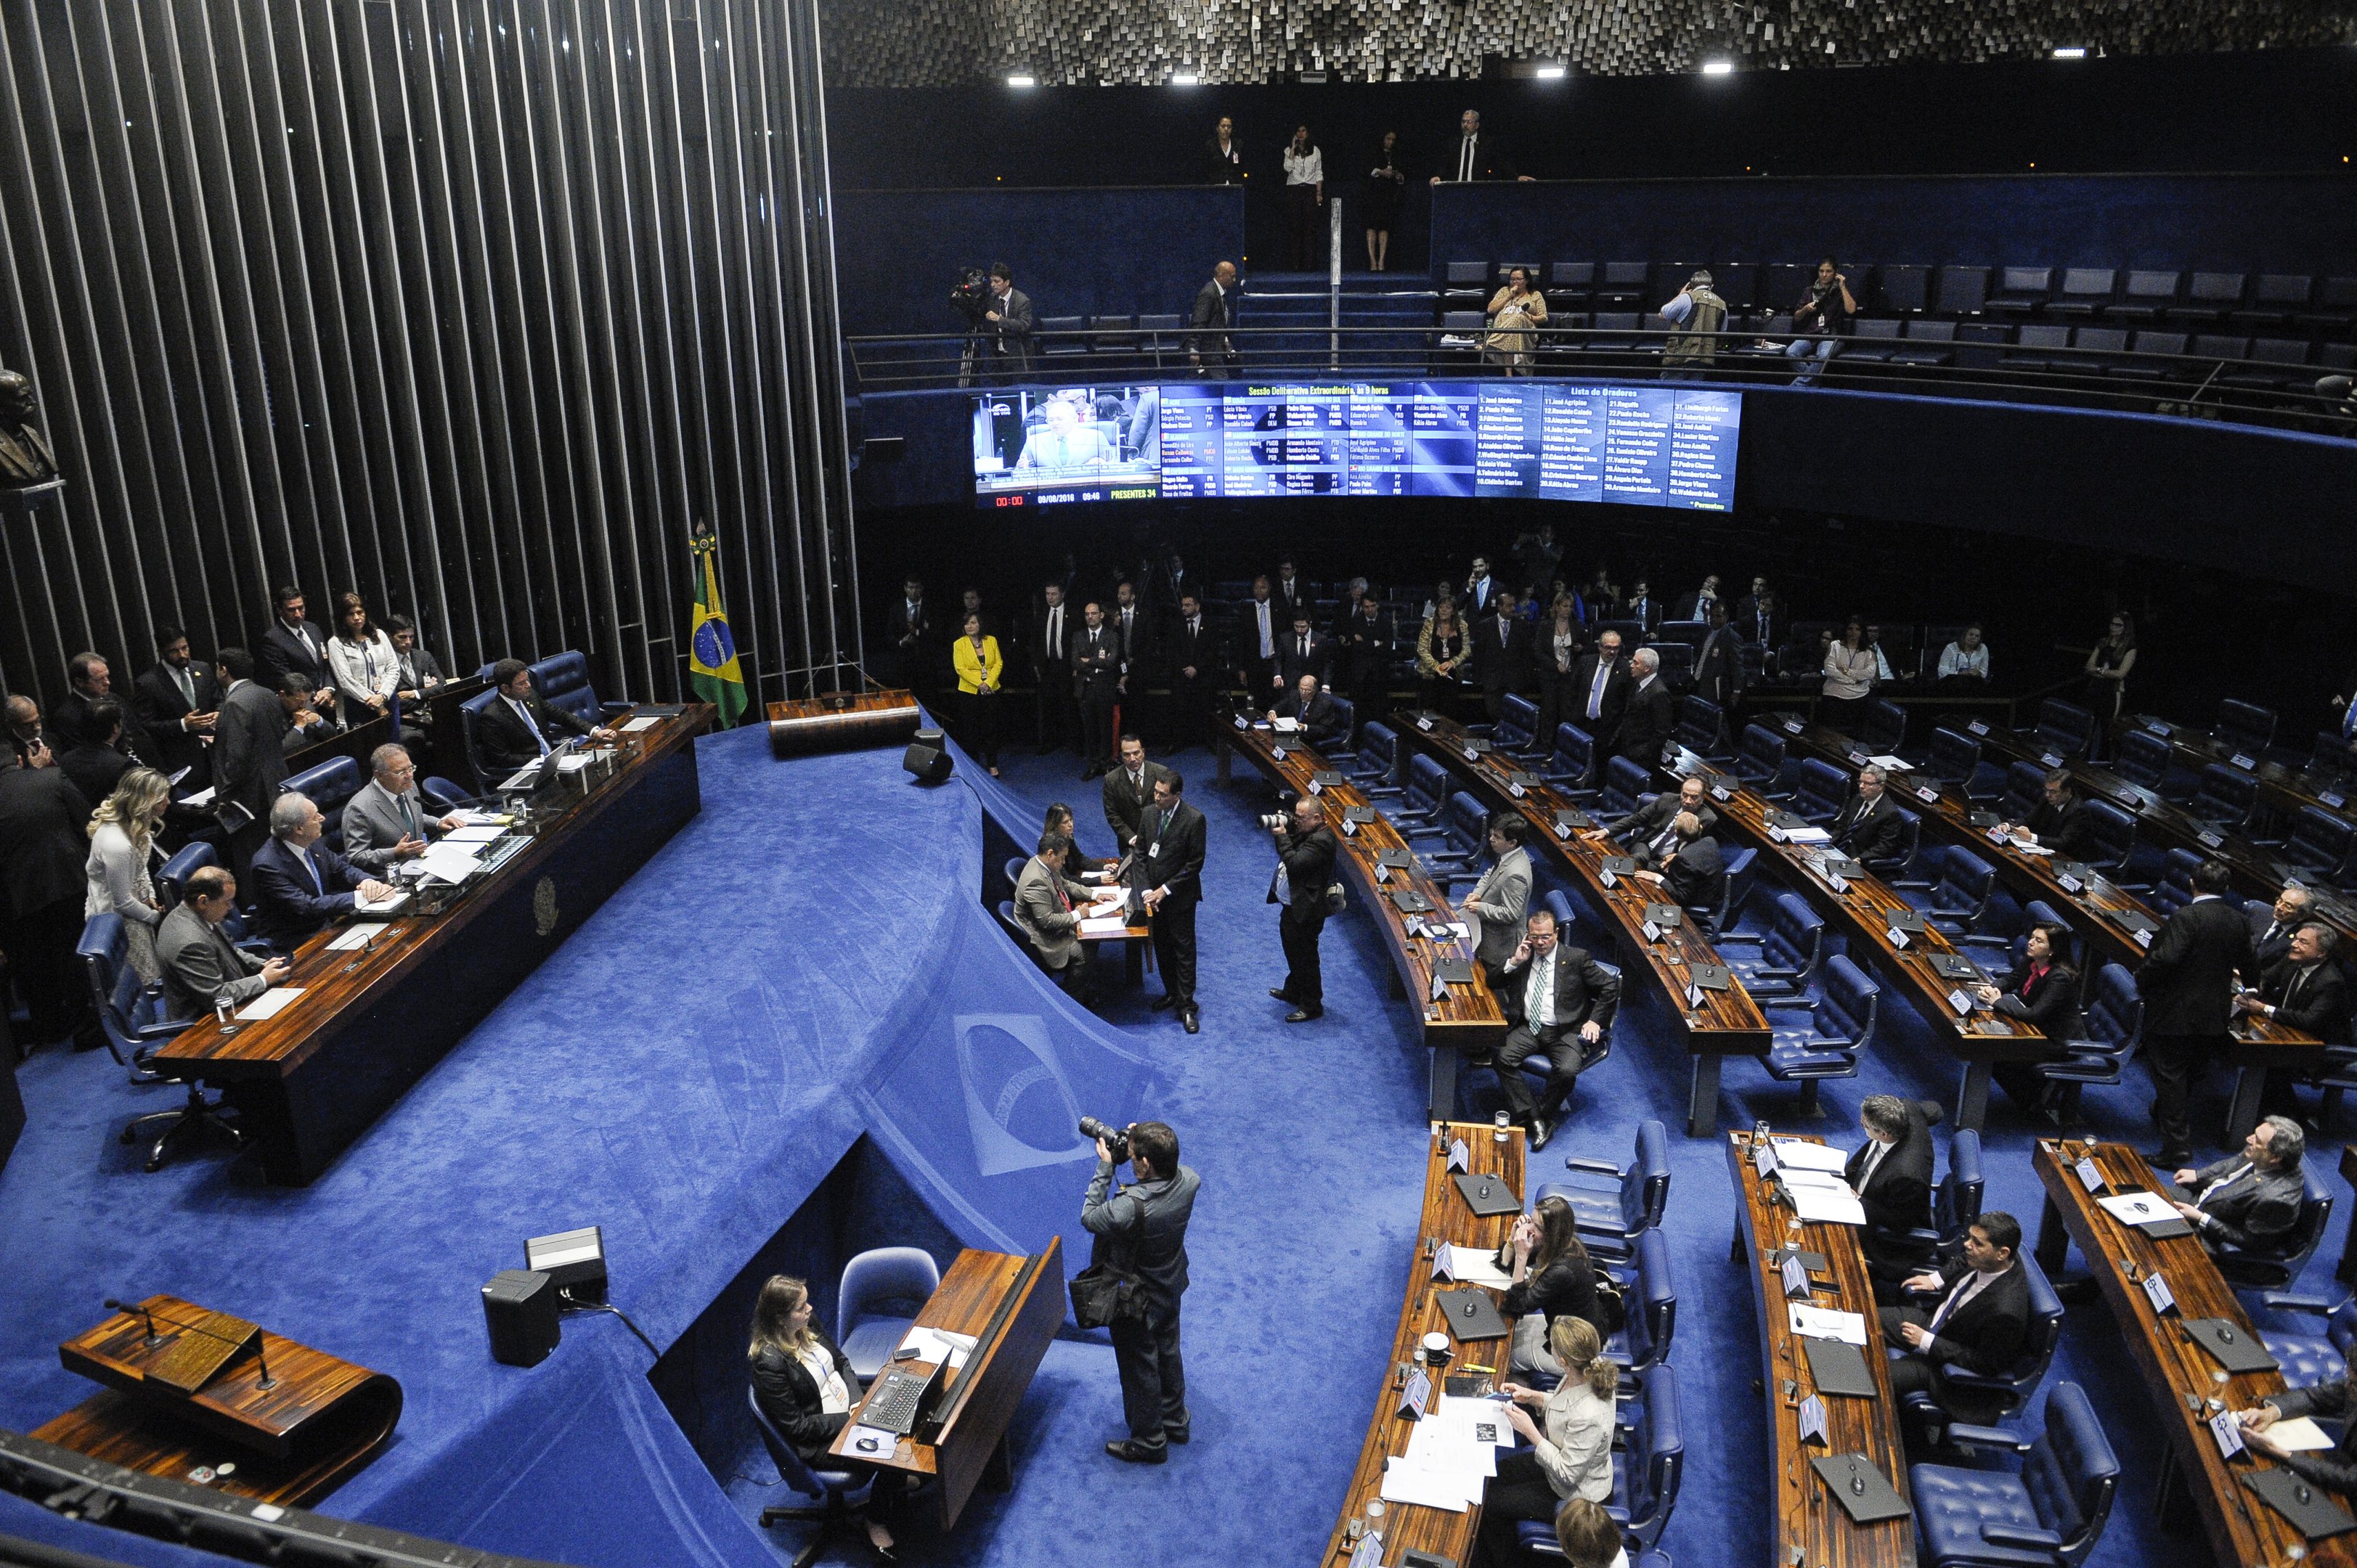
(1807, 835)
(1827, 1205)
(1105, 926)
(635, 725)
(1477, 1266)
(270, 1002)
(2137, 1208)
(1811, 1178)
(471, 835)
(1476, 1417)
(486, 819)
(1893, 764)
(382, 909)
(936, 1345)
(1796, 1155)
(355, 937)
(1287, 727)
(1822, 1323)
(1406, 1483)
(201, 798)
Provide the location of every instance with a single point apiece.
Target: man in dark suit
(2249, 1201)
(1304, 865)
(1698, 604)
(1196, 662)
(1892, 1174)
(1974, 1315)
(43, 847)
(96, 760)
(293, 646)
(1718, 663)
(1867, 827)
(1260, 630)
(1007, 322)
(300, 883)
(178, 700)
(1314, 711)
(1294, 599)
(2059, 822)
(1055, 631)
(1650, 830)
(1599, 694)
(1210, 349)
(1096, 687)
(1692, 876)
(201, 966)
(1650, 718)
(1365, 638)
(1502, 653)
(909, 640)
(1168, 877)
(90, 681)
(2272, 925)
(1477, 154)
(520, 726)
(257, 726)
(2187, 981)
(2335, 1470)
(1301, 652)
(1758, 618)
(1129, 793)
(1133, 634)
(1560, 1002)
(2305, 990)
(1642, 606)
(1481, 590)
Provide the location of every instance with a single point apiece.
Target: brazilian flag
(712, 667)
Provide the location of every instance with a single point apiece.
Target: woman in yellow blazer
(979, 670)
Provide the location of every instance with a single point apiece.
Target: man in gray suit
(1008, 321)
(2249, 1202)
(252, 735)
(1647, 831)
(1049, 908)
(387, 821)
(1500, 902)
(200, 964)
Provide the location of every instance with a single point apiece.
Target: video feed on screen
(1042, 445)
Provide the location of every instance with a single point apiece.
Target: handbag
(1103, 1294)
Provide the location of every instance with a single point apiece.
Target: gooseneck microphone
(152, 1337)
(261, 1360)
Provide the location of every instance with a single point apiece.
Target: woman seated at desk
(1553, 1278)
(1571, 1458)
(806, 1387)
(1078, 866)
(2041, 991)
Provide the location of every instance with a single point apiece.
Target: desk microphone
(261, 1363)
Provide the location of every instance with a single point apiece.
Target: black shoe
(1480, 1058)
(1163, 1002)
(1137, 1453)
(1304, 1015)
(2169, 1160)
(1280, 993)
(1193, 1020)
(1178, 1434)
(1540, 1133)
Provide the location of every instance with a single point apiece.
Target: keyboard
(893, 1407)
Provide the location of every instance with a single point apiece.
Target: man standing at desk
(2187, 981)
(1141, 1230)
(1167, 874)
(1129, 793)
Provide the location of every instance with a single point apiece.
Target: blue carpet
(692, 1064)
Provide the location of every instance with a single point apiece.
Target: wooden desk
(1728, 1023)
(844, 722)
(1408, 1526)
(2241, 1530)
(1468, 1017)
(2260, 1043)
(2283, 791)
(1863, 916)
(979, 1400)
(319, 1424)
(308, 1081)
(1811, 1527)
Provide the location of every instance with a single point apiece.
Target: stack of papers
(1809, 834)
(939, 1346)
(486, 819)
(1477, 1266)
(1451, 1455)
(1104, 924)
(635, 725)
(380, 909)
(1893, 764)
(1822, 1197)
(270, 1004)
(1796, 1155)
(1822, 1323)
(1286, 726)
(2137, 1208)
(472, 834)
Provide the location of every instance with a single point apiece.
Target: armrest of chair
(2288, 1300)
(2014, 1536)
(2005, 1437)
(1915, 884)
(1602, 1167)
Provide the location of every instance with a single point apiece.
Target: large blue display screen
(1639, 446)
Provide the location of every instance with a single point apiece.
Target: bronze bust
(25, 455)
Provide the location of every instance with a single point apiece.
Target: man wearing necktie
(1479, 155)
(2251, 1199)
(1974, 1313)
(178, 700)
(2271, 927)
(1560, 1002)
(518, 726)
(386, 821)
(1051, 667)
(1303, 653)
(1892, 1174)
(1258, 633)
(1196, 660)
(1096, 684)
(1167, 878)
(1601, 693)
(299, 884)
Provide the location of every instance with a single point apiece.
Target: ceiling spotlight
(1022, 82)
(1549, 73)
(1184, 79)
(1718, 68)
(2071, 54)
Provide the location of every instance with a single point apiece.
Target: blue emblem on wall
(1019, 1107)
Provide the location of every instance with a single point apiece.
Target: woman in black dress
(805, 1386)
(1386, 185)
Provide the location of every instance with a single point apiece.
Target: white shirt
(1955, 661)
(1875, 1149)
(833, 1398)
(1055, 631)
(1304, 168)
(1538, 990)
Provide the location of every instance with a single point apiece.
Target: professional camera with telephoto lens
(1115, 1138)
(971, 297)
(1273, 821)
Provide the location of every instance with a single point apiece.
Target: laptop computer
(903, 1398)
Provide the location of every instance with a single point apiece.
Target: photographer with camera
(998, 315)
(1304, 867)
(1141, 1240)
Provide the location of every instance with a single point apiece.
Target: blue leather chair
(1427, 796)
(1882, 727)
(1910, 843)
(1627, 785)
(471, 715)
(2224, 796)
(1951, 758)
(1517, 729)
(877, 1277)
(1639, 1194)
(1955, 892)
(172, 877)
(2145, 759)
(331, 785)
(2115, 832)
(835, 1496)
(1702, 728)
(1955, 1202)
(1789, 949)
(1927, 1414)
(2025, 789)
(2244, 727)
(1812, 1041)
(2047, 1515)
(2064, 727)
(1738, 868)
(2321, 843)
(1376, 775)
(2307, 1359)
(1650, 1291)
(1464, 835)
(446, 796)
(130, 1011)
(2278, 1264)
(2175, 888)
(563, 682)
(1342, 750)
(2114, 1019)
(1759, 757)
(1820, 791)
(1571, 766)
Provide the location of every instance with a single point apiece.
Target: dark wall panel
(476, 307)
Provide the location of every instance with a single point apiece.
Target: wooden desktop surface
(842, 722)
(1728, 1023)
(1469, 1015)
(1809, 1522)
(320, 1422)
(996, 1375)
(1863, 916)
(2241, 1530)
(1409, 1526)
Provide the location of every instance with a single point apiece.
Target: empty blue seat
(1881, 726)
(1625, 786)
(877, 1279)
(2049, 1515)
(1789, 949)
(2244, 727)
(1427, 793)
(1571, 766)
(1820, 790)
(1464, 834)
(2025, 790)
(1812, 1041)
(1702, 726)
(2225, 797)
(1640, 1193)
(1650, 1291)
(1518, 725)
(2115, 833)
(2320, 842)
(1955, 890)
(1376, 770)
(2175, 888)
(2146, 760)
(2064, 727)
(2307, 1359)
(1760, 754)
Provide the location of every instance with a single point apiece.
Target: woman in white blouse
(804, 1384)
(1570, 1458)
(1850, 668)
(363, 660)
(1305, 197)
(122, 854)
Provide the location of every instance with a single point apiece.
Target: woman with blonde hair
(1570, 1458)
(805, 1386)
(122, 854)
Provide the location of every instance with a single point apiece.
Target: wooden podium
(844, 722)
(194, 1401)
